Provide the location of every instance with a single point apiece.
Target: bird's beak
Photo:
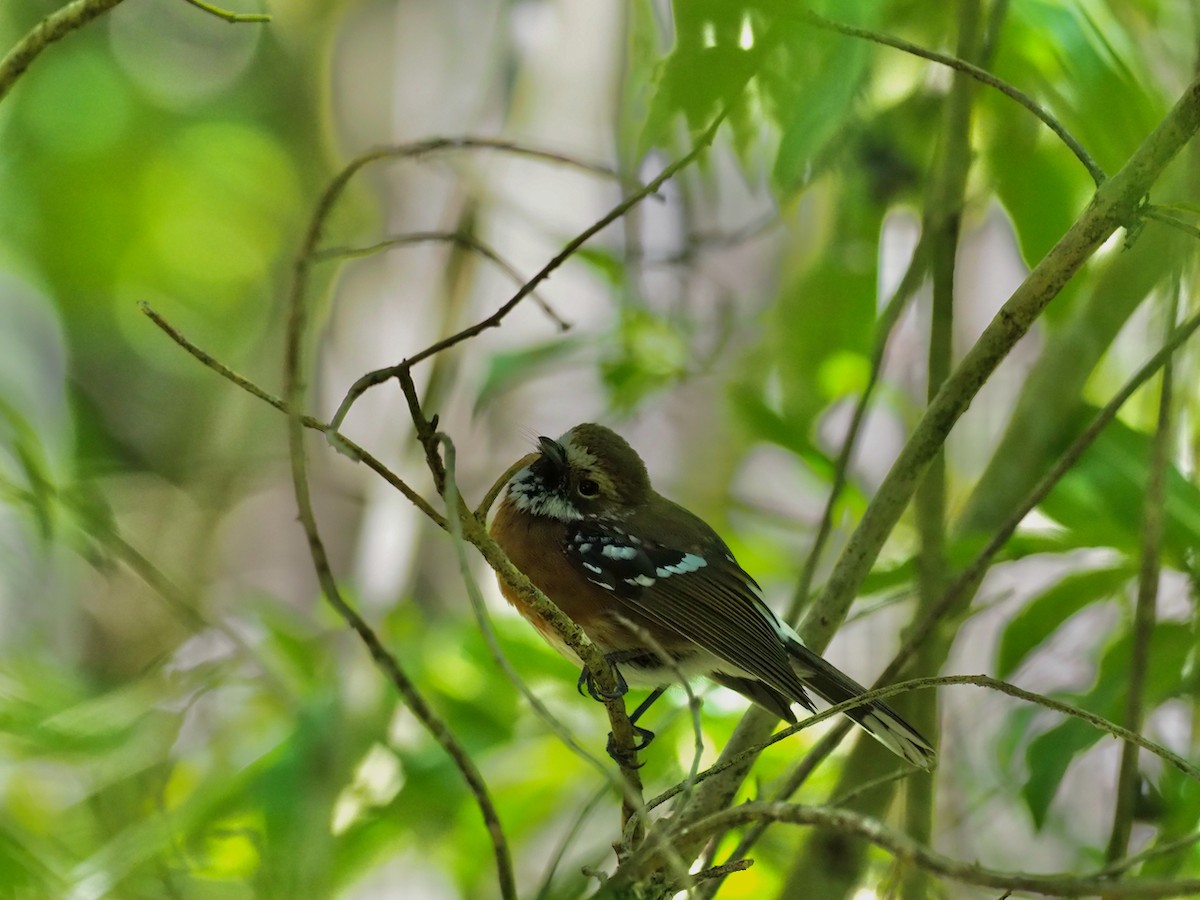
(553, 451)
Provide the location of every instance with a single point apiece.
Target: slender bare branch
(904, 848)
(381, 376)
(913, 276)
(986, 681)
(353, 449)
(1145, 610)
(961, 65)
(485, 505)
(53, 28)
(1115, 204)
(231, 17)
(455, 527)
(467, 241)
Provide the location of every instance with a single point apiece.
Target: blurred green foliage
(162, 738)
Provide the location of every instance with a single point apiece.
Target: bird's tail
(877, 718)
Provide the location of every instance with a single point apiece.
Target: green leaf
(1181, 796)
(1044, 613)
(821, 110)
(706, 65)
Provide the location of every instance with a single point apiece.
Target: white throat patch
(530, 495)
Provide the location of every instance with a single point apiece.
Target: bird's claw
(642, 739)
(593, 690)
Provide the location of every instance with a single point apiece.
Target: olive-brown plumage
(582, 520)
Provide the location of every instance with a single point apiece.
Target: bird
(643, 577)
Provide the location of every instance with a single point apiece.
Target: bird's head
(589, 472)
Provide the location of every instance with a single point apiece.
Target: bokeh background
(180, 714)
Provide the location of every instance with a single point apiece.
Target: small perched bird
(583, 523)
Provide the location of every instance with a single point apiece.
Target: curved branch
(466, 241)
(1114, 205)
(53, 28)
(961, 65)
(295, 377)
(986, 681)
(231, 17)
(351, 448)
(381, 376)
(913, 277)
(631, 796)
(905, 848)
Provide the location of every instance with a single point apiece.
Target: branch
(913, 276)
(456, 519)
(315, 424)
(1160, 215)
(467, 241)
(1153, 514)
(1115, 204)
(231, 17)
(986, 681)
(380, 376)
(961, 65)
(53, 28)
(294, 388)
(965, 584)
(908, 850)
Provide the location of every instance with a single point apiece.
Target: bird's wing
(698, 592)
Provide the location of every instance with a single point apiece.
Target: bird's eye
(588, 488)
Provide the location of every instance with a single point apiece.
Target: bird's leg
(644, 735)
(586, 679)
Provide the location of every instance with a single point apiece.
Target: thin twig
(380, 376)
(566, 840)
(391, 669)
(913, 276)
(633, 826)
(1153, 852)
(866, 786)
(1160, 215)
(903, 848)
(53, 28)
(485, 505)
(717, 873)
(315, 424)
(1153, 515)
(295, 381)
(986, 681)
(231, 17)
(961, 65)
(1115, 204)
(479, 607)
(467, 241)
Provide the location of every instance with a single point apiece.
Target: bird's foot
(593, 690)
(642, 738)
